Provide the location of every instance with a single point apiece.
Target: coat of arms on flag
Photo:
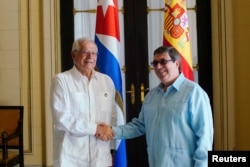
(176, 33)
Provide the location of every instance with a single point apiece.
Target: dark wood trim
(136, 62)
(67, 33)
(205, 46)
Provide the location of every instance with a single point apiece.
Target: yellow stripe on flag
(176, 32)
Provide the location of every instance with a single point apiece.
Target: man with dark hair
(176, 117)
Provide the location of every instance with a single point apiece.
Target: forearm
(127, 131)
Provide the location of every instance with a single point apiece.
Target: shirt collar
(78, 75)
(177, 83)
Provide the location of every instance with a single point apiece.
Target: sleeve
(133, 129)
(202, 124)
(61, 114)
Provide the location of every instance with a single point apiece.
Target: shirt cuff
(118, 132)
(92, 128)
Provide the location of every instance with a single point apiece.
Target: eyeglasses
(162, 62)
(87, 52)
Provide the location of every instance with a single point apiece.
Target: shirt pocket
(76, 147)
(106, 100)
(180, 110)
(79, 103)
(106, 106)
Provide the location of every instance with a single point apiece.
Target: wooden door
(136, 74)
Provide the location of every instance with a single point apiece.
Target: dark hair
(172, 52)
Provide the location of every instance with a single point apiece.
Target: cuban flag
(107, 38)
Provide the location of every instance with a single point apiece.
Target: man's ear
(177, 63)
(73, 54)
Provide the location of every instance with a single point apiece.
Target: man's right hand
(104, 132)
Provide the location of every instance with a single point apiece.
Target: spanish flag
(176, 33)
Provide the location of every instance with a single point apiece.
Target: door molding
(223, 78)
(52, 57)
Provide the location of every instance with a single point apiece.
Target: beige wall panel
(241, 56)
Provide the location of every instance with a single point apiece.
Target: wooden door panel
(136, 61)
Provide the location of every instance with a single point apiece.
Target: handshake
(104, 132)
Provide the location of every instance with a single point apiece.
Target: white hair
(81, 41)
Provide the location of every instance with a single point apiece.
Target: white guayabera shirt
(78, 105)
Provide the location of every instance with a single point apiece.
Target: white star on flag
(105, 4)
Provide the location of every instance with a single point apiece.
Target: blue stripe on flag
(108, 64)
(120, 156)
